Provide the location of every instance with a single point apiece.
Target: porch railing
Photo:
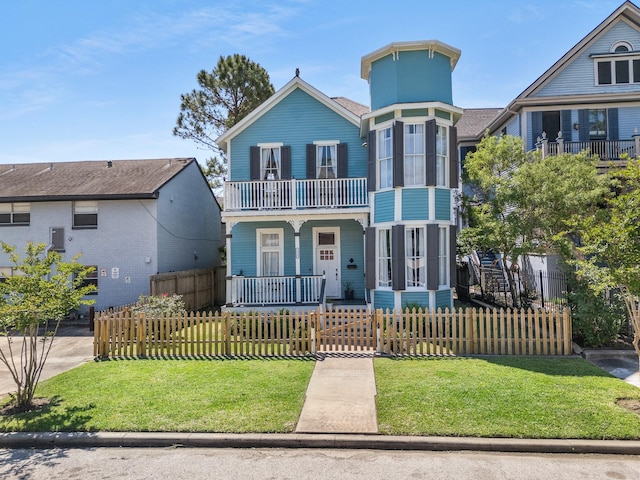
(604, 149)
(277, 290)
(295, 194)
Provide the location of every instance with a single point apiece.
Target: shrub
(597, 320)
(160, 305)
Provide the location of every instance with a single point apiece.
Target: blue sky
(96, 80)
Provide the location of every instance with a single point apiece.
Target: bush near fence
(415, 333)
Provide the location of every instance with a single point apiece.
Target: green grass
(172, 395)
(519, 397)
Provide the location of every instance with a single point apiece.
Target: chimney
(109, 164)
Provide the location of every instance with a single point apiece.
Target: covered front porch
(296, 262)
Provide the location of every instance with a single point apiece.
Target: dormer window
(619, 67)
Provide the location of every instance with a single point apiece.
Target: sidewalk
(341, 396)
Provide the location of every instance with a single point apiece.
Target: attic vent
(109, 164)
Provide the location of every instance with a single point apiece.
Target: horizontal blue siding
(415, 298)
(414, 77)
(297, 120)
(578, 77)
(415, 204)
(444, 299)
(628, 121)
(243, 247)
(384, 206)
(443, 204)
(383, 299)
(513, 127)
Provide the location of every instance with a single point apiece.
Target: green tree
(610, 244)
(33, 301)
(525, 203)
(227, 94)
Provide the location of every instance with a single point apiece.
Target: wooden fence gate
(345, 331)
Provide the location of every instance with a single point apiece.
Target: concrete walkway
(341, 396)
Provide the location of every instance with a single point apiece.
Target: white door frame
(336, 232)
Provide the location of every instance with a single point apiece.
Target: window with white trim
(442, 155)
(384, 257)
(598, 124)
(414, 154)
(442, 256)
(15, 213)
(620, 67)
(415, 252)
(326, 161)
(385, 158)
(85, 214)
(270, 163)
(270, 252)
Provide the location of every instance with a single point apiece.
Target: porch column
(545, 145)
(636, 143)
(228, 293)
(560, 141)
(296, 237)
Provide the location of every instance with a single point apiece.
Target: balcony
(606, 150)
(295, 194)
(286, 290)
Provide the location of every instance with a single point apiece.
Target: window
(85, 214)
(415, 256)
(384, 257)
(621, 66)
(597, 124)
(414, 155)
(270, 252)
(270, 163)
(5, 272)
(385, 158)
(326, 161)
(15, 213)
(442, 256)
(442, 155)
(91, 279)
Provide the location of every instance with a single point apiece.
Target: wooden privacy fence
(458, 332)
(199, 288)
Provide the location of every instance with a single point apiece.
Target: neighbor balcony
(606, 150)
(295, 194)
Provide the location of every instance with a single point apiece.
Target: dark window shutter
(343, 170)
(430, 149)
(433, 247)
(311, 161)
(453, 251)
(583, 120)
(454, 171)
(370, 257)
(398, 154)
(612, 122)
(285, 159)
(371, 162)
(536, 127)
(398, 277)
(254, 159)
(565, 125)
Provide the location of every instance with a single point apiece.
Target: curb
(340, 441)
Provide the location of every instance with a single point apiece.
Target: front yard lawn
(171, 395)
(519, 397)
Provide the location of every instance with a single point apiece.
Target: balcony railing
(295, 194)
(605, 149)
(277, 290)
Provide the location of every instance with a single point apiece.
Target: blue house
(587, 100)
(327, 201)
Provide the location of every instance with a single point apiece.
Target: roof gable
(627, 13)
(295, 83)
(91, 179)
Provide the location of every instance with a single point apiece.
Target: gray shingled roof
(354, 107)
(474, 121)
(93, 179)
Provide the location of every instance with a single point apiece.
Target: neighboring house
(589, 99)
(326, 200)
(128, 218)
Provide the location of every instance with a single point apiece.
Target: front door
(326, 242)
